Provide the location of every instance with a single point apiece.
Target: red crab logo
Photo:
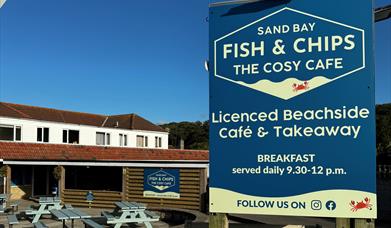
(360, 205)
(297, 87)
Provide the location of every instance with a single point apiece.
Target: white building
(29, 124)
(42, 149)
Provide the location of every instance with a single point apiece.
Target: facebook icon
(331, 205)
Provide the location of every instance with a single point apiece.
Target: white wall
(87, 134)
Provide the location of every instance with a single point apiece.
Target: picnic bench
(130, 212)
(12, 220)
(40, 225)
(91, 223)
(69, 213)
(45, 205)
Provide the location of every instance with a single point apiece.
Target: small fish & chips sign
(161, 183)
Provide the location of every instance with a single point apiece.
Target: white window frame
(123, 139)
(14, 132)
(145, 141)
(158, 142)
(62, 135)
(43, 134)
(21, 135)
(106, 136)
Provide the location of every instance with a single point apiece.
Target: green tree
(383, 129)
(194, 134)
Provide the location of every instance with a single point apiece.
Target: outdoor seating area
(45, 205)
(130, 212)
(51, 210)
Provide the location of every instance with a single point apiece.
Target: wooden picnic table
(45, 205)
(49, 200)
(130, 212)
(69, 214)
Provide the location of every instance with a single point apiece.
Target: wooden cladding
(192, 185)
(102, 199)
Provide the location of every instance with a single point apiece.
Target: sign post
(90, 198)
(342, 223)
(292, 112)
(218, 220)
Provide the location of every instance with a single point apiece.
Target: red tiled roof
(127, 121)
(68, 152)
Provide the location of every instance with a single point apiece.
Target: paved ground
(57, 224)
(201, 220)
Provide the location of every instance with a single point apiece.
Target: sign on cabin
(90, 196)
(161, 183)
(292, 112)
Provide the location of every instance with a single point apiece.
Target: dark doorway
(43, 182)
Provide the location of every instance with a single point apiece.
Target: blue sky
(122, 56)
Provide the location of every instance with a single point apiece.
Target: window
(107, 139)
(10, 133)
(18, 133)
(70, 136)
(42, 134)
(123, 140)
(7, 133)
(142, 141)
(65, 136)
(73, 137)
(102, 138)
(158, 142)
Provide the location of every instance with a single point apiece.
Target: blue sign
(161, 183)
(292, 112)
